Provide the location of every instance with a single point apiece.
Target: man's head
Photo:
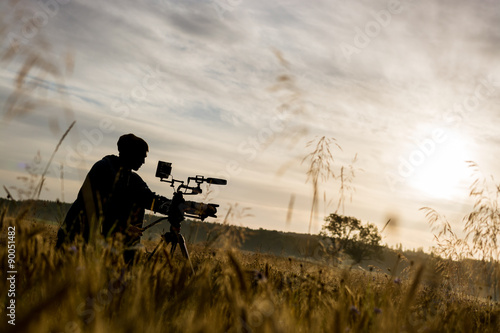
(133, 151)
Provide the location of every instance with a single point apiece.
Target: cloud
(194, 78)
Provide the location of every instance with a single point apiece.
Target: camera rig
(178, 208)
(191, 209)
(164, 169)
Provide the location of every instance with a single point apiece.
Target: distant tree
(348, 234)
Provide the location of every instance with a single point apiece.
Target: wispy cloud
(194, 79)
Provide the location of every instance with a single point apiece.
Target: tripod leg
(184, 250)
(171, 237)
(172, 250)
(156, 248)
(167, 238)
(182, 245)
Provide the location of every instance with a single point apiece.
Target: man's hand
(161, 204)
(208, 210)
(176, 210)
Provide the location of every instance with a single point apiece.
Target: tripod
(175, 238)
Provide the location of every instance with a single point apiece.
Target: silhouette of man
(113, 197)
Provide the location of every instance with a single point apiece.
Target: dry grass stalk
(321, 168)
(481, 227)
(346, 188)
(36, 68)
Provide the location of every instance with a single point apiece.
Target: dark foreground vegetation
(90, 289)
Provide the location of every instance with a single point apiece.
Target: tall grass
(90, 289)
(33, 58)
(473, 260)
(320, 162)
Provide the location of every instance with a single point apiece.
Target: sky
(236, 89)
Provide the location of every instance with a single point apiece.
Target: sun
(444, 173)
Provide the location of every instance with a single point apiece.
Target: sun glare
(444, 172)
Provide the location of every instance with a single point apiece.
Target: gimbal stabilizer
(178, 208)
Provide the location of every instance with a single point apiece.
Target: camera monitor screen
(163, 169)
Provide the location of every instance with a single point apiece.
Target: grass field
(92, 290)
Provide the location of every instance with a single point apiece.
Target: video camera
(178, 208)
(164, 169)
(189, 208)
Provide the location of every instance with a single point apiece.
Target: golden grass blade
(39, 187)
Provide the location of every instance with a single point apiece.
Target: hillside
(261, 240)
(284, 244)
(311, 248)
